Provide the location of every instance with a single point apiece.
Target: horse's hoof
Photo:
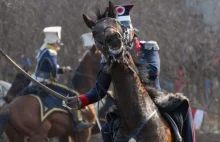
(132, 140)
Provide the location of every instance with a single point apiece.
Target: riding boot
(188, 131)
(106, 133)
(79, 124)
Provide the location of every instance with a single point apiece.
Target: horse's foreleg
(13, 135)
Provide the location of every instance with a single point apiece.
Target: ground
(200, 137)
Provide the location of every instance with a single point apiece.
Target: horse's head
(108, 33)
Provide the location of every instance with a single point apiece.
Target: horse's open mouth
(116, 50)
(116, 46)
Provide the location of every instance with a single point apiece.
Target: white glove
(68, 69)
(73, 104)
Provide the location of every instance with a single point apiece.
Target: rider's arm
(99, 91)
(151, 55)
(53, 65)
(55, 68)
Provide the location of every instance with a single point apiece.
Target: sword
(48, 90)
(97, 117)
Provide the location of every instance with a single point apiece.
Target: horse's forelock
(108, 12)
(100, 14)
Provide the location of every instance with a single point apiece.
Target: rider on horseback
(47, 70)
(150, 54)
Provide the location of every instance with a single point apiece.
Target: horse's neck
(86, 72)
(134, 103)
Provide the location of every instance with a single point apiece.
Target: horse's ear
(112, 10)
(89, 22)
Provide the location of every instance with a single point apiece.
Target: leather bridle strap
(84, 75)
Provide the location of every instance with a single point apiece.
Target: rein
(85, 75)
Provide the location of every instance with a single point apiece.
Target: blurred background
(187, 31)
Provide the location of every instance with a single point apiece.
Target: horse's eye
(118, 35)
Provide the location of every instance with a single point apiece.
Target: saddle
(174, 107)
(48, 103)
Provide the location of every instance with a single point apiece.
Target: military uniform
(47, 71)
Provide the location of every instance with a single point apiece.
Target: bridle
(84, 75)
(106, 49)
(111, 55)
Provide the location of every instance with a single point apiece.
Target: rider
(47, 70)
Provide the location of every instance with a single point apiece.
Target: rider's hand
(74, 103)
(68, 69)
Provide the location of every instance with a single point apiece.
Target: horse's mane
(90, 53)
(83, 56)
(143, 72)
(108, 12)
(144, 77)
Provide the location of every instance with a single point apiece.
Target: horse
(84, 78)
(57, 124)
(139, 117)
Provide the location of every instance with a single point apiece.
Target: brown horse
(139, 119)
(84, 77)
(25, 114)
